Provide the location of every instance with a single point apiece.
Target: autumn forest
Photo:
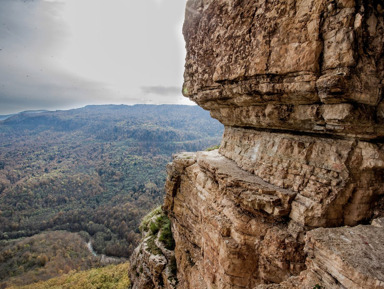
(94, 171)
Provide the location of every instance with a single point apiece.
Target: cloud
(161, 90)
(160, 94)
(57, 54)
(29, 75)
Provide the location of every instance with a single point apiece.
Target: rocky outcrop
(228, 224)
(299, 87)
(153, 263)
(335, 181)
(302, 65)
(340, 258)
(235, 230)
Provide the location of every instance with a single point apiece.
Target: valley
(94, 171)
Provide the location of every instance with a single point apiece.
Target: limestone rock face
(352, 256)
(235, 227)
(335, 181)
(302, 65)
(298, 85)
(341, 258)
(228, 225)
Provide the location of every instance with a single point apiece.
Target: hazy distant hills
(95, 170)
(120, 118)
(3, 117)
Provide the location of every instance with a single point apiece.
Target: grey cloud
(28, 26)
(32, 35)
(44, 91)
(28, 79)
(161, 90)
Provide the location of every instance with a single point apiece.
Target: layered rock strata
(228, 224)
(235, 230)
(298, 85)
(334, 181)
(340, 258)
(312, 66)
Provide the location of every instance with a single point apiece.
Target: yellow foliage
(109, 277)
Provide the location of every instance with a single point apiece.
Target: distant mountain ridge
(6, 116)
(109, 122)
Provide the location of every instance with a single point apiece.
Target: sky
(61, 54)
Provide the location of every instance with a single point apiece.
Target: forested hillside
(42, 257)
(95, 170)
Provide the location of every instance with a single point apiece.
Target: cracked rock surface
(300, 65)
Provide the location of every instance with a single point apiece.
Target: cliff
(288, 199)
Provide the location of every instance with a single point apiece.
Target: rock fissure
(303, 133)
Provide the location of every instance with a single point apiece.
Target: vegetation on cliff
(157, 225)
(153, 262)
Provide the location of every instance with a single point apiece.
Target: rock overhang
(308, 66)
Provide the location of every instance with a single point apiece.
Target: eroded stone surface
(352, 256)
(378, 223)
(227, 233)
(341, 258)
(229, 219)
(305, 65)
(336, 181)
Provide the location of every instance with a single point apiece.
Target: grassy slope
(109, 277)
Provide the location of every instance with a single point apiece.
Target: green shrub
(166, 235)
(155, 222)
(212, 148)
(152, 246)
(147, 219)
(154, 227)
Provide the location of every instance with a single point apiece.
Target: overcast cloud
(161, 90)
(57, 54)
